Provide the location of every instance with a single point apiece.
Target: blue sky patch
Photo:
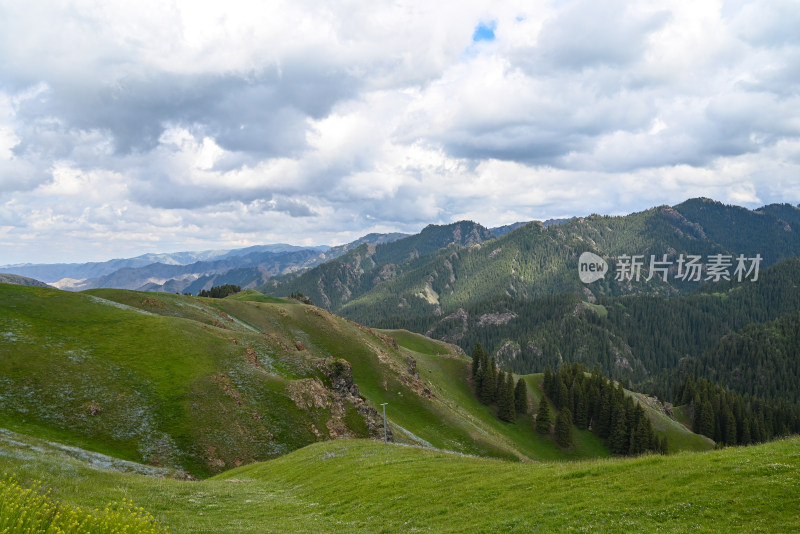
(484, 31)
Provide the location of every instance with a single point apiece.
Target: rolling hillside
(203, 385)
(366, 486)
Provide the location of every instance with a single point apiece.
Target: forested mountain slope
(643, 338)
(337, 282)
(533, 261)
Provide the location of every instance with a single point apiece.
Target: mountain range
(521, 297)
(193, 271)
(188, 271)
(110, 391)
(177, 271)
(446, 268)
(516, 288)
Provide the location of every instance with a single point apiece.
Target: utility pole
(385, 437)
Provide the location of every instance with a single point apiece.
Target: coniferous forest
(590, 402)
(741, 336)
(732, 419)
(593, 402)
(220, 292)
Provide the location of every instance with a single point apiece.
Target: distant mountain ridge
(335, 283)
(421, 275)
(191, 271)
(53, 272)
(156, 275)
(20, 280)
(390, 288)
(499, 231)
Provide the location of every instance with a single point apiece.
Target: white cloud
(8, 137)
(180, 125)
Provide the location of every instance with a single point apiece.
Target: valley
(399, 267)
(216, 413)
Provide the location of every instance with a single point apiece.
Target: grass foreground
(30, 510)
(366, 486)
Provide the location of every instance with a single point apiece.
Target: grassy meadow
(117, 406)
(366, 486)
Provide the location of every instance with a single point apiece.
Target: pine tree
(509, 392)
(572, 397)
(499, 388)
(697, 413)
(619, 439)
(593, 407)
(505, 403)
(654, 444)
(548, 382)
(479, 382)
(744, 439)
(564, 428)
(563, 394)
(603, 426)
(521, 397)
(730, 427)
(477, 354)
(641, 436)
(581, 415)
(688, 391)
(488, 382)
(491, 386)
(543, 418)
(707, 420)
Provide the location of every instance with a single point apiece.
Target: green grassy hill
(366, 486)
(205, 385)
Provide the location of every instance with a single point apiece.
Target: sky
(160, 126)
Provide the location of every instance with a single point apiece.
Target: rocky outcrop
(412, 367)
(460, 315)
(508, 352)
(656, 404)
(496, 319)
(344, 389)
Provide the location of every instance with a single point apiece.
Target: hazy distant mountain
(503, 230)
(253, 270)
(554, 222)
(54, 272)
(152, 276)
(20, 280)
(183, 271)
(369, 239)
(249, 277)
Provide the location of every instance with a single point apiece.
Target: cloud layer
(155, 126)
